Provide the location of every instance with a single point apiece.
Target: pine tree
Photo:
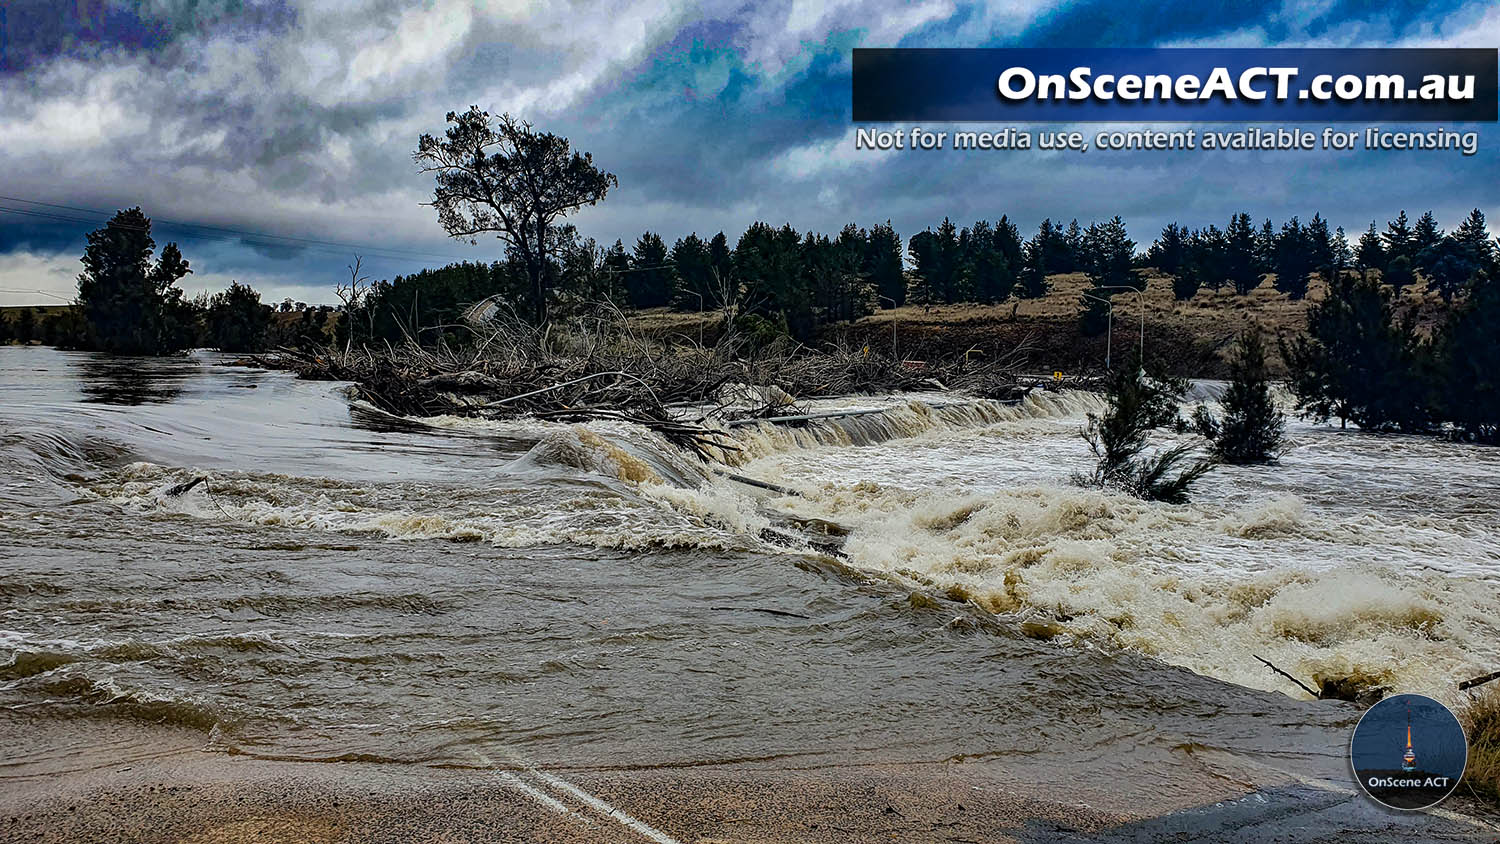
(1252, 428)
(615, 273)
(691, 261)
(651, 281)
(1118, 439)
(1399, 274)
(1210, 255)
(1370, 254)
(1240, 247)
(989, 275)
(236, 321)
(1319, 244)
(1094, 311)
(1265, 248)
(25, 326)
(719, 256)
(768, 264)
(1467, 364)
(1190, 270)
(131, 305)
(1426, 233)
(945, 285)
(1474, 237)
(1169, 250)
(1399, 239)
(884, 264)
(926, 259)
(1449, 268)
(1072, 248)
(1010, 244)
(1294, 259)
(1109, 255)
(1342, 255)
(1038, 262)
(852, 291)
(1359, 362)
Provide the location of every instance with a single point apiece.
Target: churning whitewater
(1359, 558)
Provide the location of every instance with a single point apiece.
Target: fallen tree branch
(1479, 681)
(185, 488)
(1299, 683)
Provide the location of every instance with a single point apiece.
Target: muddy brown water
(349, 586)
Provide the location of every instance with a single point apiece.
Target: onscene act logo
(1408, 752)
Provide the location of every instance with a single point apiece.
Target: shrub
(1118, 440)
(1252, 428)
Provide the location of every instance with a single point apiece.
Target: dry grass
(1481, 720)
(1189, 333)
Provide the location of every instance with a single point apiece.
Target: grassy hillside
(1182, 338)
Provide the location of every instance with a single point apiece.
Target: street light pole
(1109, 326)
(1140, 301)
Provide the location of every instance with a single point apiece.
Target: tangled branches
(598, 367)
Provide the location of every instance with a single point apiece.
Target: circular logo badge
(1408, 752)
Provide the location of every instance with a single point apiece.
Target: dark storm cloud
(299, 120)
(36, 31)
(1105, 24)
(279, 251)
(1102, 24)
(24, 232)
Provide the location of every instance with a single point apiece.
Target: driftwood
(766, 610)
(1479, 681)
(185, 488)
(597, 367)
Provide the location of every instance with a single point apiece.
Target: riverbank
(1182, 338)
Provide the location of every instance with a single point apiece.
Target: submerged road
(176, 793)
(360, 802)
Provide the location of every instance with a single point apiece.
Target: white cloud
(822, 159)
(30, 278)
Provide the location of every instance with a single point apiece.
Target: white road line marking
(602, 807)
(517, 784)
(536, 794)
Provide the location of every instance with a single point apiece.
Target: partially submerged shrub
(1252, 428)
(1118, 440)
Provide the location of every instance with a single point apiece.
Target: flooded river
(345, 585)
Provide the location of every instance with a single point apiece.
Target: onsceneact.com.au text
(1252, 83)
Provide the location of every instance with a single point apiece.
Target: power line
(223, 232)
(37, 293)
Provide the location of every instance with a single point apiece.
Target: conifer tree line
(1242, 254)
(799, 281)
(802, 280)
(1365, 360)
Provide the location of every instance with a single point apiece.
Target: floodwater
(345, 585)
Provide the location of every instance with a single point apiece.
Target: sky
(272, 139)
